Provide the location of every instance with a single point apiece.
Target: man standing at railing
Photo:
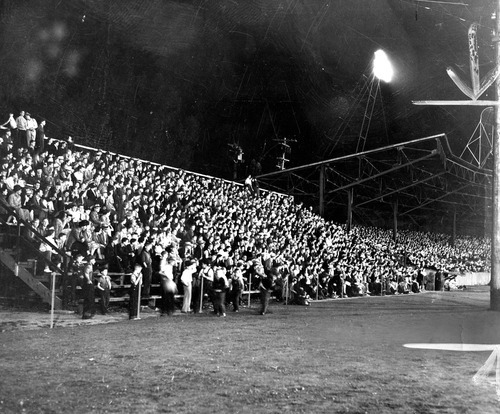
(135, 281)
(147, 267)
(88, 289)
(104, 289)
(266, 287)
(31, 126)
(187, 284)
(220, 286)
(21, 134)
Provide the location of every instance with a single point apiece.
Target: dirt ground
(335, 356)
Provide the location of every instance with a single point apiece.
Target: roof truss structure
(422, 178)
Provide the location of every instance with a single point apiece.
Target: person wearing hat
(88, 289)
(135, 281)
(168, 286)
(31, 126)
(145, 259)
(266, 287)
(94, 216)
(79, 238)
(187, 284)
(237, 286)
(220, 285)
(40, 137)
(104, 289)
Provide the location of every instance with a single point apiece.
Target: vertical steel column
(322, 191)
(495, 236)
(395, 220)
(350, 197)
(454, 229)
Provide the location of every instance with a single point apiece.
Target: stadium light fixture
(382, 67)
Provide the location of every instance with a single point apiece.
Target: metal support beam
(351, 156)
(350, 198)
(380, 174)
(435, 199)
(402, 188)
(322, 191)
(454, 229)
(495, 236)
(395, 220)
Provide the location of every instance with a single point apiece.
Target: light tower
(382, 71)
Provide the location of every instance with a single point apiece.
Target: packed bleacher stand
(120, 211)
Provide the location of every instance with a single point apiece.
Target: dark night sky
(197, 75)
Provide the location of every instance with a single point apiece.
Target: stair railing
(27, 242)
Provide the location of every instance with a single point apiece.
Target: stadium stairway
(20, 256)
(23, 270)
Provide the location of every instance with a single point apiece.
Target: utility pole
(284, 143)
(495, 234)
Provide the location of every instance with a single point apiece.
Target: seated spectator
(15, 201)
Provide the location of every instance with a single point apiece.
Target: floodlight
(382, 67)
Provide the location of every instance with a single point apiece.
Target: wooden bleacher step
(36, 285)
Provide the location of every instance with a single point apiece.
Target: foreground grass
(337, 356)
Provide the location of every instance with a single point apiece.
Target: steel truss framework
(420, 180)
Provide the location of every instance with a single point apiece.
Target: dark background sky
(177, 81)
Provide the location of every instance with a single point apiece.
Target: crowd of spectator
(107, 213)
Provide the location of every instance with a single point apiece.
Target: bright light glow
(382, 68)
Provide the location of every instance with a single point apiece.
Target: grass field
(336, 356)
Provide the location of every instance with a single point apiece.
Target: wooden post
(495, 236)
(53, 298)
(139, 299)
(317, 286)
(249, 289)
(287, 290)
(201, 294)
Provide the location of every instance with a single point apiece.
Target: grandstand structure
(20, 254)
(417, 184)
(275, 230)
(422, 180)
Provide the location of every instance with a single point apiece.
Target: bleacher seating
(109, 206)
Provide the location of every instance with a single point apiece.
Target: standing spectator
(126, 255)
(220, 285)
(207, 273)
(147, 267)
(75, 279)
(266, 287)
(197, 290)
(104, 289)
(31, 126)
(135, 281)
(21, 135)
(40, 137)
(168, 286)
(237, 287)
(187, 284)
(88, 289)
